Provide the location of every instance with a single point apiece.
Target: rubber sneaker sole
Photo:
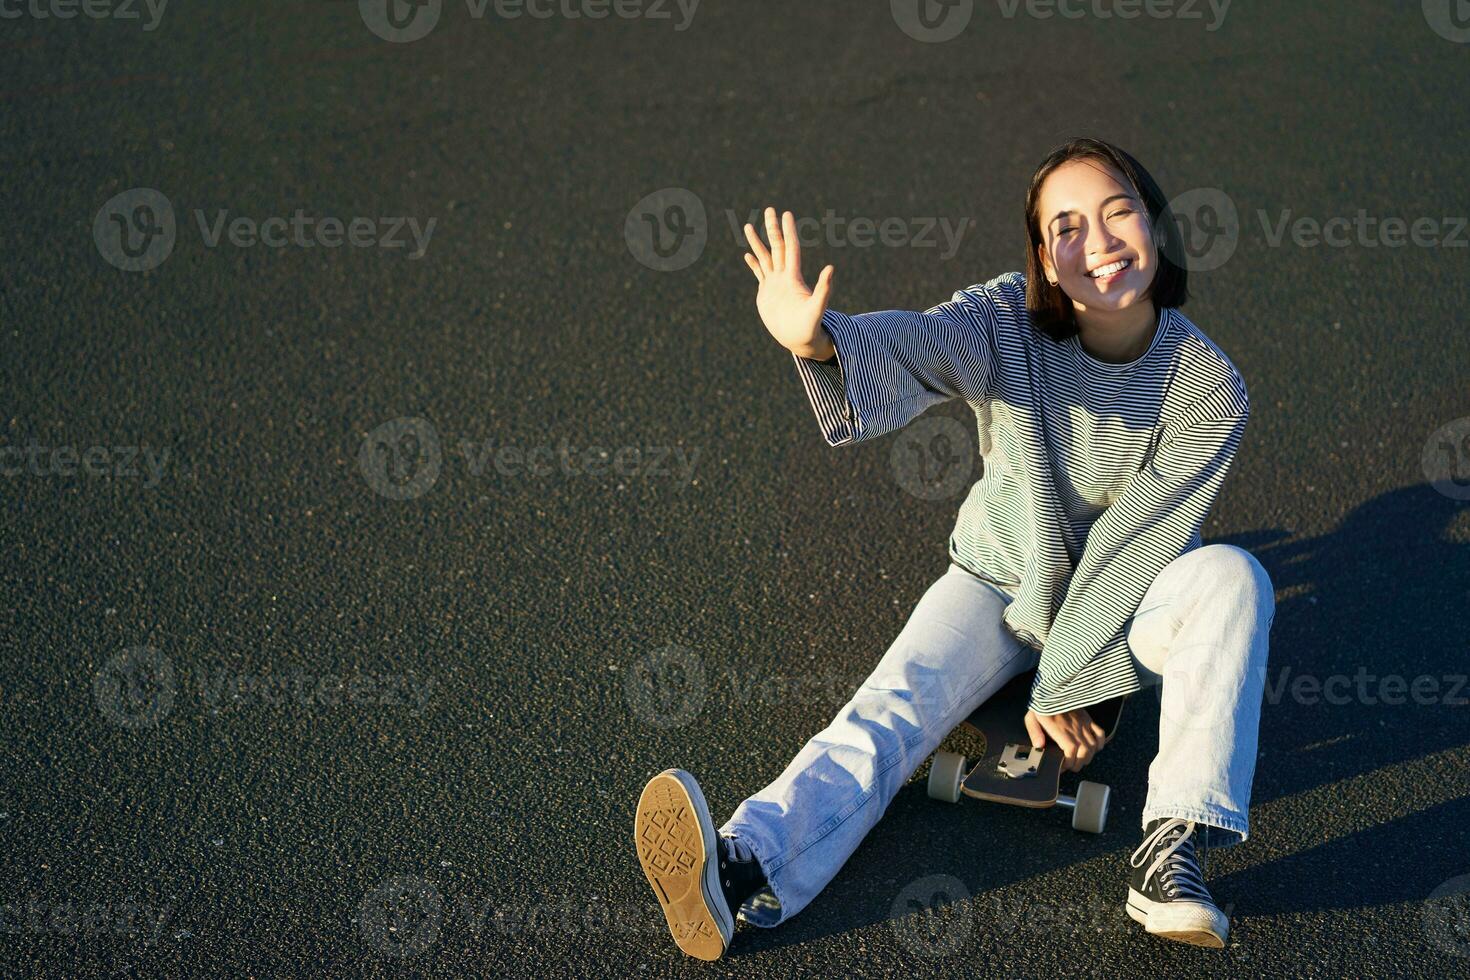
(677, 849)
(1183, 922)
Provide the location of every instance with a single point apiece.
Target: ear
(1046, 267)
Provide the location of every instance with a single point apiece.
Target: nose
(1100, 240)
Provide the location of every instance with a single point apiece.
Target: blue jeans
(1200, 634)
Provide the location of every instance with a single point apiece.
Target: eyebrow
(1106, 200)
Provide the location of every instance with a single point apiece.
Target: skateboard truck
(1020, 760)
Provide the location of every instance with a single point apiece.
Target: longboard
(1010, 771)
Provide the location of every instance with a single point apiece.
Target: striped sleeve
(893, 365)
(1085, 658)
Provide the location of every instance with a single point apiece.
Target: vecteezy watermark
(403, 458)
(934, 917)
(1450, 19)
(404, 915)
(108, 462)
(404, 21)
(140, 687)
(840, 231)
(124, 10)
(1446, 459)
(401, 917)
(1208, 228)
(931, 917)
(1196, 695)
(1446, 916)
(668, 229)
(1367, 688)
(936, 21)
(668, 686)
(933, 458)
(124, 919)
(137, 230)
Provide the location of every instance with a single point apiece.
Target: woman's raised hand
(791, 312)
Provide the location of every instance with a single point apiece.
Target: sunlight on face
(1090, 218)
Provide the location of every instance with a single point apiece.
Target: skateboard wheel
(946, 773)
(1091, 811)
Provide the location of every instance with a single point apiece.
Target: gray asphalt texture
(445, 785)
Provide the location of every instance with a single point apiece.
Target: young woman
(1107, 423)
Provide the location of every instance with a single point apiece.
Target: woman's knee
(1231, 569)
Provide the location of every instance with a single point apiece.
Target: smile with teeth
(1109, 271)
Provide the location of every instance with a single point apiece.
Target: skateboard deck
(1010, 771)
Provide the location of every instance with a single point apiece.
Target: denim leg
(953, 653)
(1201, 633)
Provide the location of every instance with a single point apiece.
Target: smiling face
(1092, 219)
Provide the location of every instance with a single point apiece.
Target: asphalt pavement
(396, 473)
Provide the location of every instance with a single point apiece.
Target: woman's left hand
(1076, 734)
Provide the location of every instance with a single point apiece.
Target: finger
(778, 247)
(1069, 753)
(793, 244)
(1034, 729)
(823, 289)
(758, 247)
(755, 267)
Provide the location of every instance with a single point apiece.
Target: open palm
(791, 311)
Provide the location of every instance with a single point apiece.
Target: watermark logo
(401, 459)
(126, 919)
(94, 9)
(405, 21)
(1182, 10)
(1206, 229)
(936, 21)
(1194, 695)
(666, 687)
(1446, 459)
(135, 689)
(404, 915)
(931, 917)
(1446, 917)
(140, 687)
(107, 462)
(135, 230)
(840, 231)
(400, 21)
(667, 230)
(933, 458)
(1450, 19)
(932, 21)
(401, 917)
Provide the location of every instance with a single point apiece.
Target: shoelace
(1181, 876)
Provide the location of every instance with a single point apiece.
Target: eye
(1065, 231)
(1121, 211)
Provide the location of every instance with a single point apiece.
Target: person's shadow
(1382, 597)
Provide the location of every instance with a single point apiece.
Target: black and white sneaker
(700, 878)
(1167, 891)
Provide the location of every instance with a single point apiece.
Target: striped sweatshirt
(1095, 475)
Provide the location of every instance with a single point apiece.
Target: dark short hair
(1050, 308)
